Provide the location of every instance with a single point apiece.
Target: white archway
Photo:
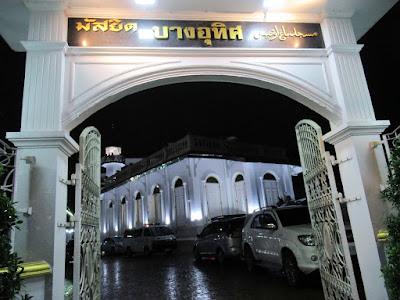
(305, 82)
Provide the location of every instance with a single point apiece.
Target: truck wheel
(146, 251)
(294, 276)
(249, 259)
(197, 256)
(220, 257)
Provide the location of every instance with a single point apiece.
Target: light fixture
(145, 34)
(274, 3)
(145, 2)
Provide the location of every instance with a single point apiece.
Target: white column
(42, 136)
(360, 177)
(42, 236)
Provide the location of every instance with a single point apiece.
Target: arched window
(213, 196)
(269, 176)
(180, 205)
(270, 186)
(212, 179)
(240, 195)
(178, 183)
(156, 189)
(154, 213)
(123, 213)
(110, 217)
(139, 210)
(239, 178)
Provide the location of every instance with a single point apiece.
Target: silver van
(220, 239)
(149, 239)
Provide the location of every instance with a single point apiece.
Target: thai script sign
(92, 32)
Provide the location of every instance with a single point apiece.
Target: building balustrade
(113, 158)
(191, 145)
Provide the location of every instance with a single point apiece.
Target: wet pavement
(177, 276)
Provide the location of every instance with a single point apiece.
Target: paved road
(177, 276)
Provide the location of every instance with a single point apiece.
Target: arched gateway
(71, 76)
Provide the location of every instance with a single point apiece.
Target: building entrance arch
(302, 79)
(65, 85)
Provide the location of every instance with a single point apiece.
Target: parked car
(149, 239)
(281, 237)
(113, 245)
(220, 239)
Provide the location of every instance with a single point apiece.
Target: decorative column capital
(44, 139)
(46, 5)
(45, 46)
(350, 129)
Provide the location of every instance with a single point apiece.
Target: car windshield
(159, 231)
(295, 216)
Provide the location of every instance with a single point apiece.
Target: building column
(360, 166)
(40, 186)
(360, 175)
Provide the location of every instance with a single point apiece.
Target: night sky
(144, 122)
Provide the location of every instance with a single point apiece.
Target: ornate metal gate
(326, 216)
(87, 217)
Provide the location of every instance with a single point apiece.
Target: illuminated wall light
(274, 3)
(145, 2)
(296, 45)
(146, 34)
(116, 228)
(167, 220)
(196, 216)
(84, 44)
(104, 230)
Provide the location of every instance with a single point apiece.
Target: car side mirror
(270, 226)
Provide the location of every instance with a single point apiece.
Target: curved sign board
(93, 32)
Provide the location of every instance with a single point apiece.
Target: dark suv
(221, 239)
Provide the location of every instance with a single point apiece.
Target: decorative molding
(46, 5)
(344, 49)
(45, 46)
(198, 52)
(44, 139)
(259, 16)
(350, 129)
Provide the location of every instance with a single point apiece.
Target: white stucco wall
(194, 173)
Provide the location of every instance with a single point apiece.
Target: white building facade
(186, 194)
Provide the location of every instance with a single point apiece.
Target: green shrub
(391, 194)
(10, 282)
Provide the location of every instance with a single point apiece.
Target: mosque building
(192, 180)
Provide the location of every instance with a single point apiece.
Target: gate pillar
(39, 185)
(361, 178)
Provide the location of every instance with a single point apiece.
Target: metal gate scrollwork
(87, 274)
(335, 265)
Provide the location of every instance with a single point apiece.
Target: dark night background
(144, 122)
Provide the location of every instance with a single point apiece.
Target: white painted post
(43, 234)
(361, 185)
(360, 175)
